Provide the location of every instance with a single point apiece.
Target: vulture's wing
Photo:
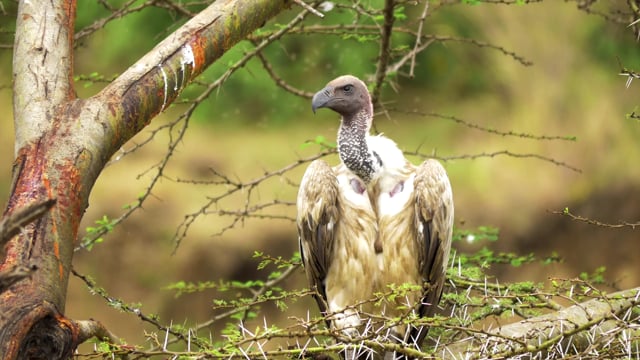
(317, 216)
(434, 222)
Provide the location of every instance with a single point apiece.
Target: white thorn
(166, 337)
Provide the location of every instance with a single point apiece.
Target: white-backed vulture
(372, 221)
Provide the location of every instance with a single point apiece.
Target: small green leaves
(104, 225)
(91, 79)
(479, 234)
(321, 141)
(596, 277)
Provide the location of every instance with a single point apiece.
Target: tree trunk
(62, 144)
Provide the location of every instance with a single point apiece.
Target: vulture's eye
(348, 88)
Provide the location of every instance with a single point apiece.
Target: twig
(372, 30)
(494, 154)
(485, 129)
(277, 79)
(121, 305)
(423, 16)
(571, 326)
(12, 223)
(94, 328)
(309, 8)
(124, 10)
(14, 274)
(411, 55)
(630, 74)
(621, 224)
(189, 219)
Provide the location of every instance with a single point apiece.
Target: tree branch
(150, 85)
(11, 224)
(94, 328)
(384, 55)
(14, 274)
(574, 327)
(621, 224)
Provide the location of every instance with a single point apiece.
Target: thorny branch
(127, 308)
(621, 224)
(623, 15)
(347, 30)
(578, 331)
(494, 154)
(482, 128)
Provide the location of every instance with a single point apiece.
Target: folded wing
(434, 224)
(317, 216)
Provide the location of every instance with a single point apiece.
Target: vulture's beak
(321, 98)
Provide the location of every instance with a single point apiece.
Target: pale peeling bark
(574, 328)
(62, 144)
(42, 66)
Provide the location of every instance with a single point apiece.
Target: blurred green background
(250, 126)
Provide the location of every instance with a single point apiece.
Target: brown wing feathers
(317, 215)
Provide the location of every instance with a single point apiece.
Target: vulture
(370, 223)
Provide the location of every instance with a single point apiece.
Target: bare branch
(124, 10)
(384, 55)
(94, 328)
(482, 128)
(122, 306)
(418, 44)
(278, 80)
(363, 29)
(11, 224)
(494, 154)
(14, 274)
(309, 8)
(621, 224)
(234, 187)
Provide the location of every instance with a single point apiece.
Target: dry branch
(14, 274)
(11, 224)
(621, 224)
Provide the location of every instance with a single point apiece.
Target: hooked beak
(321, 98)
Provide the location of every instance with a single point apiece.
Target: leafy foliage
(94, 234)
(471, 299)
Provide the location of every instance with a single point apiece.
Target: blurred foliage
(300, 56)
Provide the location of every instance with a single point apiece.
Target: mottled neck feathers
(353, 148)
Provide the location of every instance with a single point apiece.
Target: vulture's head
(347, 95)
